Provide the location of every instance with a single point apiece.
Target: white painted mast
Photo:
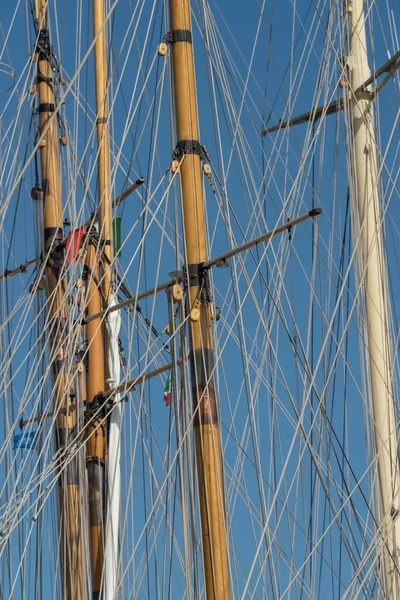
(367, 231)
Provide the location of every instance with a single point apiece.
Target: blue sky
(282, 324)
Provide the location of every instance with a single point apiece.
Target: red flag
(74, 242)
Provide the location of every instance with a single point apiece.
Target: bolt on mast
(206, 421)
(368, 226)
(72, 563)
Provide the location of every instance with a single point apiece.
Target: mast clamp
(46, 107)
(195, 275)
(99, 408)
(93, 239)
(87, 273)
(40, 78)
(365, 95)
(178, 35)
(188, 147)
(44, 47)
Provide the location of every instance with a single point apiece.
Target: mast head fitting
(215, 313)
(314, 212)
(37, 286)
(37, 193)
(222, 264)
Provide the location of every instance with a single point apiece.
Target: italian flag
(167, 391)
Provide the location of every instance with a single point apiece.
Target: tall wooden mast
(99, 281)
(103, 143)
(73, 572)
(96, 444)
(373, 273)
(206, 421)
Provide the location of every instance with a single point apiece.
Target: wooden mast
(96, 449)
(98, 281)
(368, 225)
(103, 143)
(206, 422)
(73, 571)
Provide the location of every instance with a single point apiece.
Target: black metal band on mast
(179, 35)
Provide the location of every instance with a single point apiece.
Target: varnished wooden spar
(31, 263)
(103, 143)
(116, 202)
(73, 565)
(206, 422)
(96, 444)
(97, 344)
(389, 68)
(212, 262)
(125, 388)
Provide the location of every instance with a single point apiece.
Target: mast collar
(195, 275)
(46, 107)
(178, 35)
(188, 147)
(44, 46)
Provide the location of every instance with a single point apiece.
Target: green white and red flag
(167, 391)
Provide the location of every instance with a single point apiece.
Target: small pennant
(167, 391)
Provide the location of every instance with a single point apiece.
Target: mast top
(41, 14)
